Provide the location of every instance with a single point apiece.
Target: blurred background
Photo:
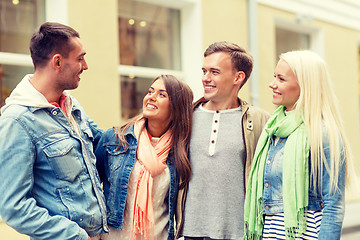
(130, 42)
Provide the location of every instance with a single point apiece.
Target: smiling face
(72, 66)
(286, 89)
(156, 104)
(219, 78)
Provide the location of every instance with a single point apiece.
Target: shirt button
(212, 141)
(214, 130)
(54, 113)
(267, 184)
(217, 111)
(216, 121)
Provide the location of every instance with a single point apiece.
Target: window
(297, 36)
(149, 43)
(18, 21)
(287, 40)
(10, 76)
(149, 35)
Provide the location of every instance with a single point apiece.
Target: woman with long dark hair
(145, 162)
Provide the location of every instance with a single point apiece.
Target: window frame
(54, 11)
(190, 45)
(344, 12)
(315, 34)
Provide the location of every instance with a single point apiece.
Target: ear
(56, 61)
(239, 78)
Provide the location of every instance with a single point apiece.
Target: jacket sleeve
(18, 208)
(334, 203)
(100, 153)
(96, 131)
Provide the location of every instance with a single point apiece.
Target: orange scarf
(153, 163)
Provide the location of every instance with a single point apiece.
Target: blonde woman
(297, 182)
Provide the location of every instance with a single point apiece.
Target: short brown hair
(51, 38)
(240, 58)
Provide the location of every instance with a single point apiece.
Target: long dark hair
(181, 98)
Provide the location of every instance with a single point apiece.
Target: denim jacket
(332, 204)
(49, 186)
(115, 168)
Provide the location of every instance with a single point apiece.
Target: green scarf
(295, 176)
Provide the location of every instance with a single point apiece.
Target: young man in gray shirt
(224, 136)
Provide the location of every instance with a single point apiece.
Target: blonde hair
(318, 106)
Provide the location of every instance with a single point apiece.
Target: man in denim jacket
(49, 186)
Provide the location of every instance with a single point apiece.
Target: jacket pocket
(63, 159)
(115, 158)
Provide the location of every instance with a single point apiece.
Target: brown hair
(241, 60)
(181, 98)
(51, 38)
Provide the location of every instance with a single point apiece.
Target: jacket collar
(130, 131)
(244, 105)
(25, 94)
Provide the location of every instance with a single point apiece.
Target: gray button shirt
(215, 200)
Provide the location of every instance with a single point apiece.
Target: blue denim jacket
(332, 204)
(115, 168)
(49, 186)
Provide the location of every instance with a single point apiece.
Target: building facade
(130, 42)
